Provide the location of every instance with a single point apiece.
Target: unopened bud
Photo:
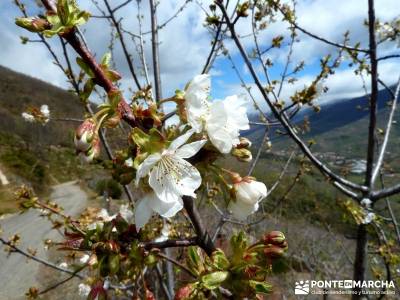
(92, 153)
(242, 154)
(273, 251)
(112, 122)
(84, 135)
(184, 293)
(33, 24)
(274, 238)
(243, 143)
(149, 295)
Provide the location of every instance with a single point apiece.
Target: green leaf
(147, 143)
(194, 260)
(113, 263)
(239, 245)
(106, 59)
(84, 66)
(113, 75)
(104, 267)
(87, 89)
(219, 260)
(214, 280)
(260, 287)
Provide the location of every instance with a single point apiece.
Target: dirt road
(17, 273)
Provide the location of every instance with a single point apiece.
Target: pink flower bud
(274, 238)
(273, 251)
(84, 135)
(92, 153)
(184, 293)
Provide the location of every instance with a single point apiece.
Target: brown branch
(154, 47)
(122, 40)
(170, 244)
(373, 97)
(203, 238)
(387, 134)
(39, 260)
(175, 262)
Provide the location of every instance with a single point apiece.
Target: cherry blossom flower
(44, 109)
(248, 194)
(222, 120)
(170, 175)
(126, 212)
(151, 204)
(28, 117)
(84, 290)
(368, 218)
(84, 259)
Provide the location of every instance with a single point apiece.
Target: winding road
(17, 273)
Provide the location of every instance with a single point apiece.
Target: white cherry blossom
(44, 109)
(84, 290)
(248, 193)
(222, 120)
(28, 117)
(170, 175)
(150, 204)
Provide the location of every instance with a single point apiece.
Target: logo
(344, 287)
(302, 287)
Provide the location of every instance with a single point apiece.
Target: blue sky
(185, 43)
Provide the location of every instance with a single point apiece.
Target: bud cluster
(275, 244)
(241, 150)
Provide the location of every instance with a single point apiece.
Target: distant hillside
(32, 153)
(17, 91)
(340, 126)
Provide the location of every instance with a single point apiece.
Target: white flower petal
(242, 210)
(143, 211)
(236, 112)
(220, 138)
(190, 178)
(191, 149)
(166, 210)
(250, 192)
(174, 177)
(197, 92)
(44, 109)
(145, 167)
(196, 100)
(162, 183)
(180, 140)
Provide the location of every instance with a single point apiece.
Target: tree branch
(387, 134)
(203, 238)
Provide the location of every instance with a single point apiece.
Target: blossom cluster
(165, 163)
(34, 114)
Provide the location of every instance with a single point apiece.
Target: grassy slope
(32, 153)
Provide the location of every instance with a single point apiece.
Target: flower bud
(92, 153)
(184, 293)
(84, 135)
(274, 238)
(149, 295)
(112, 122)
(242, 154)
(33, 24)
(243, 143)
(248, 193)
(273, 251)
